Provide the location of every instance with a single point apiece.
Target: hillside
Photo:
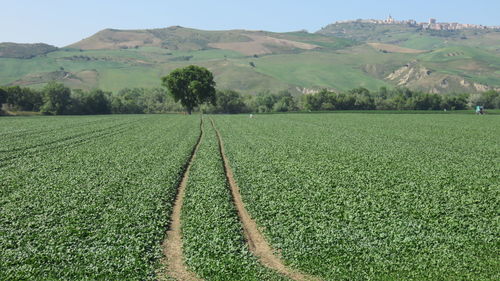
(338, 57)
(24, 51)
(413, 36)
(187, 39)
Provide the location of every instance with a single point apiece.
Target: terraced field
(276, 197)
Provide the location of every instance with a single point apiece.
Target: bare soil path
(256, 241)
(173, 260)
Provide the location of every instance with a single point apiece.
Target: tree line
(229, 101)
(56, 99)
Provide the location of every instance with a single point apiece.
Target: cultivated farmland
(362, 196)
(337, 196)
(88, 197)
(213, 236)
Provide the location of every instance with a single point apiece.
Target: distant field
(339, 196)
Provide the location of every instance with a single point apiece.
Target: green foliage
(358, 99)
(268, 102)
(56, 99)
(191, 85)
(96, 101)
(285, 102)
(228, 101)
(398, 99)
(128, 101)
(3, 96)
(88, 198)
(357, 196)
(264, 101)
(489, 99)
(454, 102)
(22, 99)
(141, 100)
(89, 103)
(156, 100)
(213, 241)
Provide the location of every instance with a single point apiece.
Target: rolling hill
(339, 57)
(24, 51)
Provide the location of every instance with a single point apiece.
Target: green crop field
(214, 242)
(384, 197)
(344, 196)
(88, 198)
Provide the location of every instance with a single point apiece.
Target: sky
(63, 22)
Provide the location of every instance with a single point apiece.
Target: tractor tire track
(257, 243)
(173, 260)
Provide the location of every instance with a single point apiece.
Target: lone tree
(192, 85)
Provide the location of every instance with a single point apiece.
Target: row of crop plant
(90, 210)
(360, 196)
(338, 196)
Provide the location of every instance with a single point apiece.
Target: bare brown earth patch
(173, 261)
(256, 241)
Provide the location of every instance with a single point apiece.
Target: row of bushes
(398, 99)
(357, 99)
(57, 99)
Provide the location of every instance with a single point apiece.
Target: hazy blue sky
(61, 22)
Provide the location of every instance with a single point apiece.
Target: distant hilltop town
(432, 24)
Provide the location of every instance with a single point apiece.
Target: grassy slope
(341, 70)
(477, 64)
(337, 65)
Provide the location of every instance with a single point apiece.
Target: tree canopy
(191, 85)
(53, 99)
(56, 98)
(3, 96)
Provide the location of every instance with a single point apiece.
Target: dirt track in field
(256, 241)
(172, 246)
